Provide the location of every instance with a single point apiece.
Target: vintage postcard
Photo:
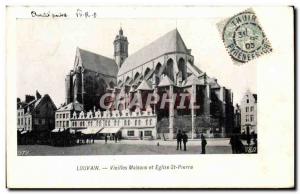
(150, 97)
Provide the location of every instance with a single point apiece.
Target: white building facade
(249, 113)
(130, 125)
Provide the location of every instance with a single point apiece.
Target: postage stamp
(244, 37)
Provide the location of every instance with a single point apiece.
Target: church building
(165, 67)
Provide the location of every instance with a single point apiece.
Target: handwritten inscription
(79, 13)
(85, 14)
(48, 14)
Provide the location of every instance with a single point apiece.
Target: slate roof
(194, 69)
(170, 42)
(98, 63)
(34, 104)
(166, 81)
(76, 106)
(212, 82)
(193, 80)
(145, 85)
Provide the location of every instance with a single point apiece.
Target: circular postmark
(244, 38)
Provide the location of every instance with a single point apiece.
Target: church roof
(166, 81)
(193, 80)
(145, 86)
(170, 42)
(193, 69)
(213, 82)
(98, 63)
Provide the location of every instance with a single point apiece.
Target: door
(141, 135)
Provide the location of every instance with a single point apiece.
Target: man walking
(184, 139)
(105, 138)
(203, 144)
(179, 139)
(234, 143)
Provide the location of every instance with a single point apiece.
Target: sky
(46, 50)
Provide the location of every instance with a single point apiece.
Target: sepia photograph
(92, 92)
(102, 94)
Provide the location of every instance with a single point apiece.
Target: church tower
(121, 48)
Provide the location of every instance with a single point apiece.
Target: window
(139, 122)
(247, 109)
(128, 122)
(251, 108)
(247, 118)
(130, 133)
(135, 122)
(64, 116)
(247, 101)
(148, 133)
(150, 122)
(251, 118)
(36, 121)
(146, 121)
(18, 121)
(28, 121)
(43, 121)
(67, 123)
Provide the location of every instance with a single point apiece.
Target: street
(126, 147)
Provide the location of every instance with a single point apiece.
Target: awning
(110, 130)
(56, 130)
(91, 130)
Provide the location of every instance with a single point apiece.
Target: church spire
(120, 48)
(121, 31)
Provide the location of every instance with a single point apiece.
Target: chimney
(29, 98)
(37, 95)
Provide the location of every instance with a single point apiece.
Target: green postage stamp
(244, 37)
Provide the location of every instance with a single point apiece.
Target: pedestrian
(240, 148)
(105, 138)
(203, 144)
(184, 139)
(233, 144)
(179, 139)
